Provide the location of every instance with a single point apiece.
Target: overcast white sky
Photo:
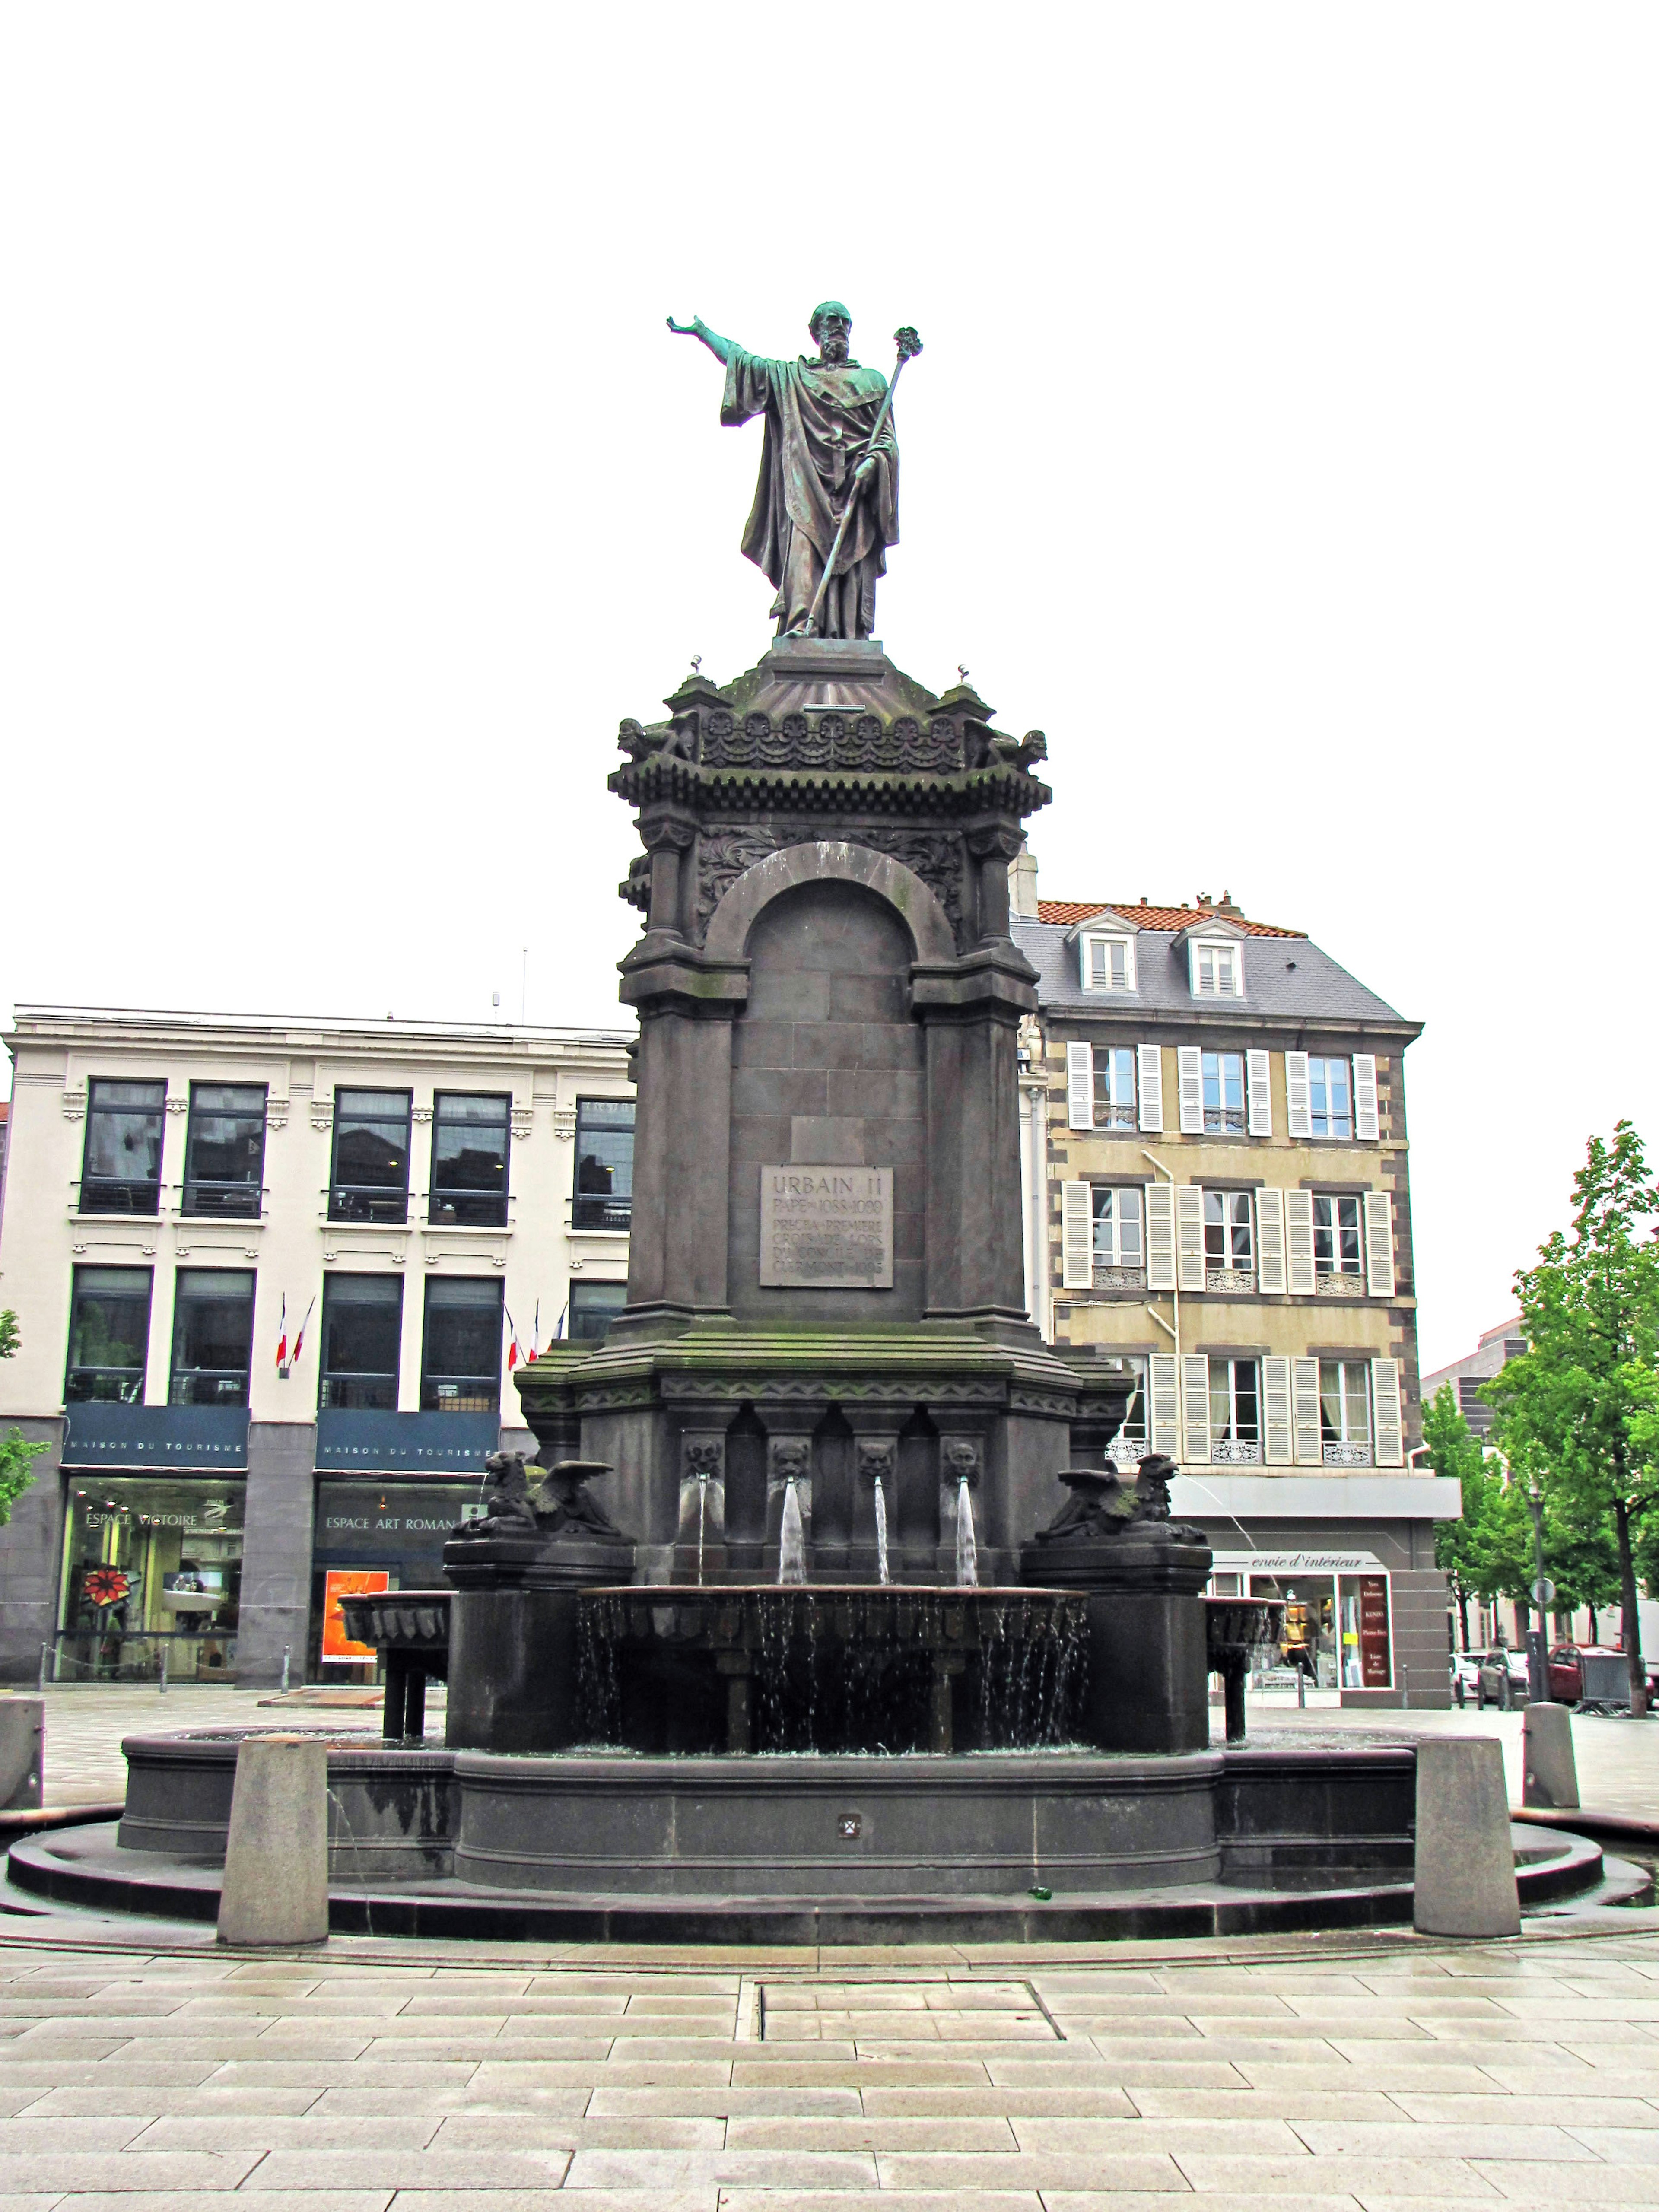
(1284, 446)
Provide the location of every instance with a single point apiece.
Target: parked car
(1501, 1678)
(1609, 1676)
(1464, 1671)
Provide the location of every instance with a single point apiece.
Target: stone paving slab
(1374, 2075)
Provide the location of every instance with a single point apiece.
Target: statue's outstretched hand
(691, 330)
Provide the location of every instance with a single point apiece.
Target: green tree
(1583, 1401)
(1488, 1552)
(16, 1450)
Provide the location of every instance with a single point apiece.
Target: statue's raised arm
(722, 349)
(826, 505)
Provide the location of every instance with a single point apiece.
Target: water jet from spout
(792, 1541)
(882, 1575)
(967, 1550)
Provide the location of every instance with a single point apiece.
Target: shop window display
(376, 1535)
(151, 1580)
(1337, 1628)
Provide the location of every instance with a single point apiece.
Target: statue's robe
(818, 422)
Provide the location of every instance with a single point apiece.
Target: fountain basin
(844, 1668)
(828, 1827)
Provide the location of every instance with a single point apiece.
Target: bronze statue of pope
(817, 462)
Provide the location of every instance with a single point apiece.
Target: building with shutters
(272, 1278)
(1217, 1182)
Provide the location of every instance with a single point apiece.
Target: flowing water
(882, 1575)
(792, 1542)
(967, 1550)
(831, 1668)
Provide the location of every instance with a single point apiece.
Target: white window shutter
(1387, 1439)
(1077, 1231)
(1163, 1404)
(1276, 1397)
(1189, 1238)
(1261, 1093)
(1195, 1406)
(1270, 1243)
(1305, 1411)
(1160, 1236)
(1298, 1106)
(1152, 1088)
(1298, 1241)
(1379, 1244)
(1365, 1096)
(1190, 1063)
(1080, 1085)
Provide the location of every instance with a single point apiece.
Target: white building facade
(271, 1279)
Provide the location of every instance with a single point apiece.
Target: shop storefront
(1338, 1616)
(151, 1578)
(376, 1535)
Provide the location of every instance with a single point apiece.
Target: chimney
(1233, 913)
(1023, 882)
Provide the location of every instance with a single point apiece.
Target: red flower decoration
(106, 1586)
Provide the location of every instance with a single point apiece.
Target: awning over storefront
(1316, 1497)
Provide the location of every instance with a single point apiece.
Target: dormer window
(1218, 971)
(1109, 963)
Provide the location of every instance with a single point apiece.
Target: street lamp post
(1543, 1590)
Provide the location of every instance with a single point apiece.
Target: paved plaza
(142, 2067)
(1379, 2073)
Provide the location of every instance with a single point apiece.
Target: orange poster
(338, 1649)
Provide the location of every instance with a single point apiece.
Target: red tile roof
(1066, 911)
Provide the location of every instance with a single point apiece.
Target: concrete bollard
(276, 1885)
(1464, 1876)
(1549, 1771)
(22, 1753)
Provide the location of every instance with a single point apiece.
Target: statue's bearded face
(834, 336)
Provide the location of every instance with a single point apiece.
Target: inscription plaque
(827, 1228)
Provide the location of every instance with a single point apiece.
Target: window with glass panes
(370, 1178)
(362, 1330)
(212, 1336)
(121, 1166)
(1217, 972)
(1344, 1424)
(1118, 1240)
(1115, 1087)
(1108, 965)
(1223, 1092)
(593, 1307)
(109, 1336)
(1330, 1098)
(1235, 1405)
(1336, 1226)
(461, 1346)
(1228, 1241)
(605, 1163)
(469, 1138)
(225, 1149)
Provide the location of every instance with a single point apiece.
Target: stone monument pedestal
(826, 1266)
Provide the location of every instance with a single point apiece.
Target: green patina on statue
(826, 505)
